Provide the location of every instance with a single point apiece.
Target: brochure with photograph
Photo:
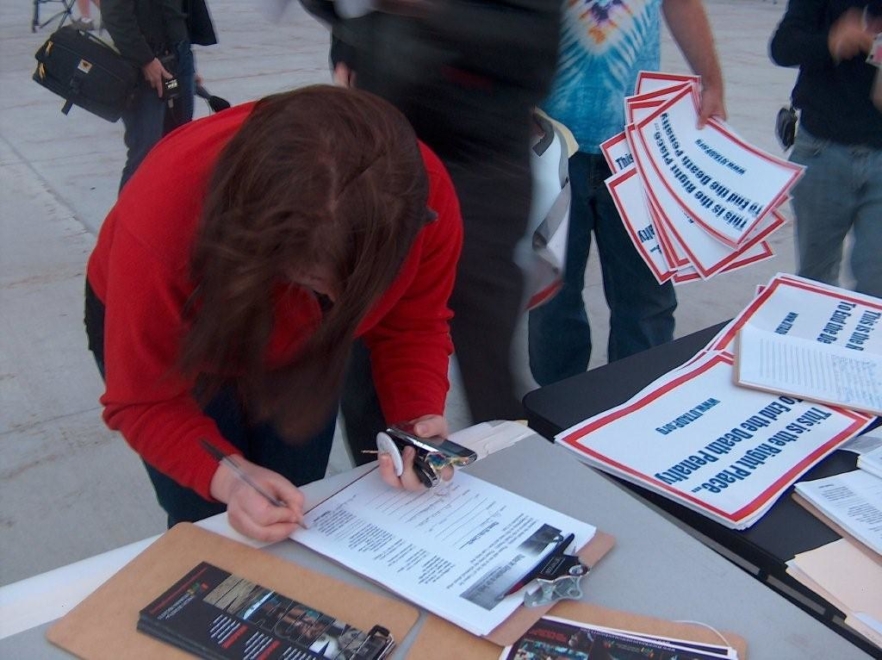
(214, 614)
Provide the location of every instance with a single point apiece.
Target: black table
(785, 530)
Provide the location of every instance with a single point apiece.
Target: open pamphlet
(563, 639)
(809, 369)
(216, 615)
(458, 550)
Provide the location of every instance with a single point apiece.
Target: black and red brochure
(214, 614)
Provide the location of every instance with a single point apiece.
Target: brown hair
(320, 176)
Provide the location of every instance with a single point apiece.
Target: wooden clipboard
(441, 640)
(510, 630)
(105, 622)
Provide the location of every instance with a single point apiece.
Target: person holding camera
(226, 316)
(839, 137)
(155, 34)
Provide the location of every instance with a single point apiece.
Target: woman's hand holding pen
(250, 512)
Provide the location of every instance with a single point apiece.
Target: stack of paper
(847, 578)
(723, 450)
(696, 202)
(850, 502)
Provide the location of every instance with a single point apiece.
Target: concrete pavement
(69, 488)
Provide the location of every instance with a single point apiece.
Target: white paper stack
(696, 202)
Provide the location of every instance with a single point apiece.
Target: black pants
(259, 443)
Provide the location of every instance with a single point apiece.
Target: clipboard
(441, 640)
(106, 621)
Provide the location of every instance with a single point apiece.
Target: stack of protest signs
(696, 436)
(695, 202)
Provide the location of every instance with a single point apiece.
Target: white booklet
(852, 500)
(455, 550)
(809, 369)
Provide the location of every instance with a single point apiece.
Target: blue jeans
(144, 119)
(641, 310)
(840, 191)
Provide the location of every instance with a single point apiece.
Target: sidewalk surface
(69, 488)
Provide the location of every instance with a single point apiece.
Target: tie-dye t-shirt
(604, 44)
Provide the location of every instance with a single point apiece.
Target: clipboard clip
(558, 577)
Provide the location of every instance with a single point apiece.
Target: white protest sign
(725, 184)
(798, 307)
(627, 193)
(726, 451)
(650, 81)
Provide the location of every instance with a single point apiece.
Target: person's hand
(155, 73)
(344, 76)
(249, 512)
(849, 36)
(424, 427)
(712, 104)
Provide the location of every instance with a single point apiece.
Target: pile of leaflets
(696, 202)
(729, 452)
(553, 637)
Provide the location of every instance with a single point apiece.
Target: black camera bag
(86, 72)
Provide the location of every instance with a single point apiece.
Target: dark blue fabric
(641, 310)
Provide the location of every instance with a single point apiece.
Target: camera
(785, 126)
(432, 454)
(171, 89)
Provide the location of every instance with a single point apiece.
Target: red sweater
(140, 271)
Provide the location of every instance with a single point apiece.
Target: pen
(231, 463)
(540, 566)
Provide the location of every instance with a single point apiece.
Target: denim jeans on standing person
(641, 310)
(840, 191)
(144, 120)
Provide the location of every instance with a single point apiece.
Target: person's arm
(120, 19)
(688, 23)
(411, 345)
(151, 403)
(801, 37)
(121, 22)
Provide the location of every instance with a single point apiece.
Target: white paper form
(723, 450)
(809, 369)
(853, 500)
(798, 307)
(453, 551)
(725, 184)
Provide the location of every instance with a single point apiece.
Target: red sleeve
(147, 399)
(139, 270)
(410, 347)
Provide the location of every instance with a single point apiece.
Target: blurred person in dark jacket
(467, 74)
(839, 139)
(157, 36)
